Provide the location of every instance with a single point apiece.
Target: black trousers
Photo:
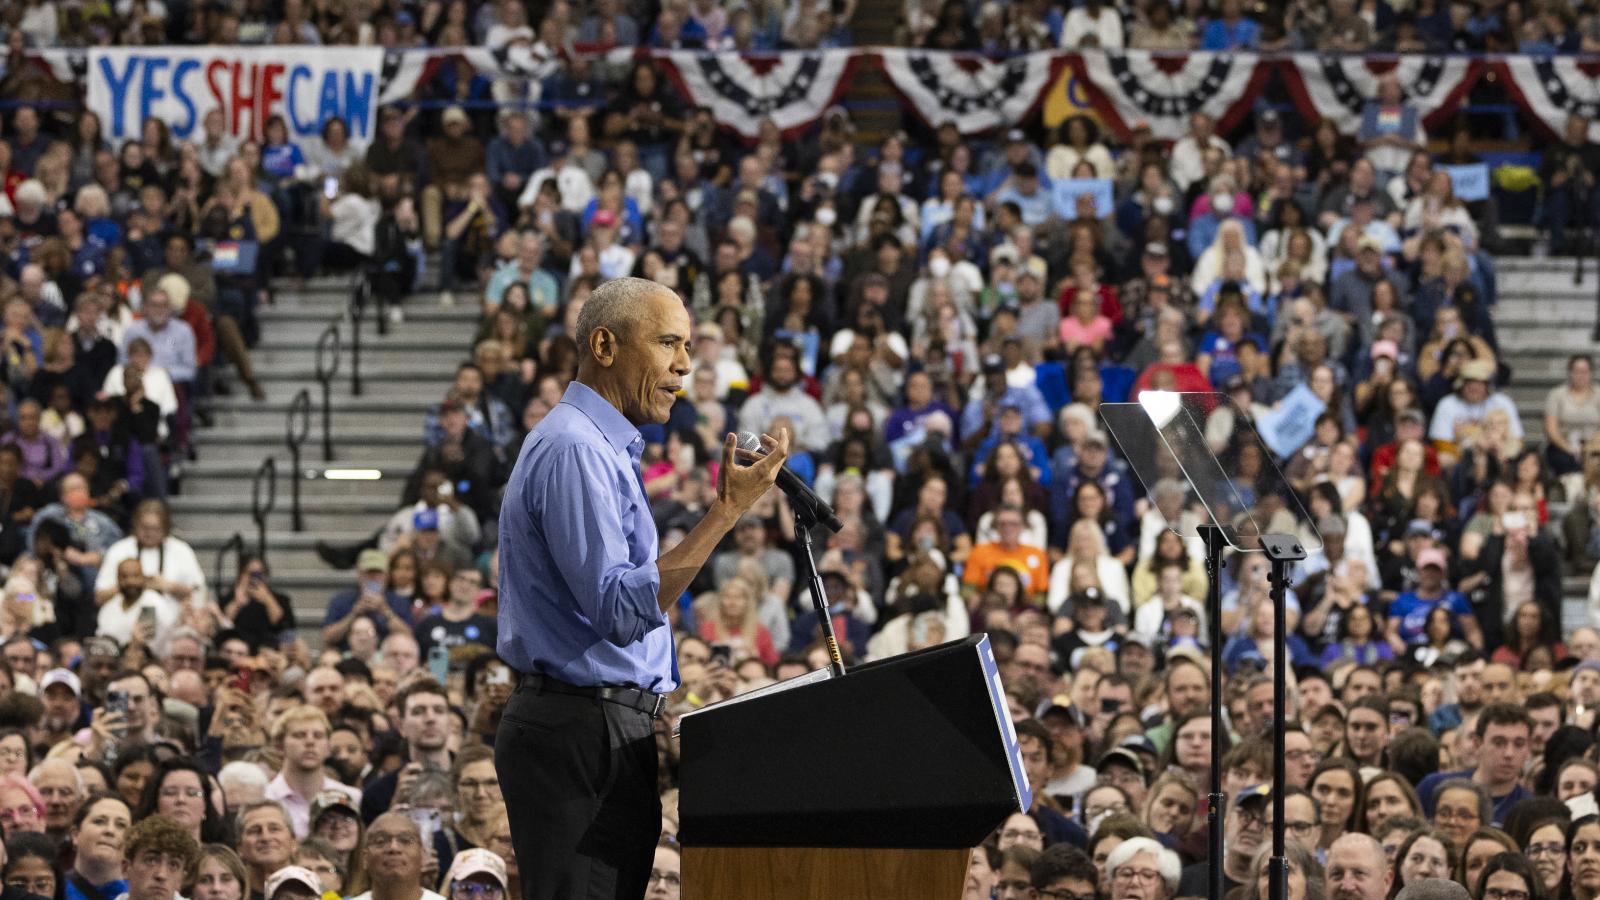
(579, 780)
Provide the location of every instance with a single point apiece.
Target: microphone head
(746, 440)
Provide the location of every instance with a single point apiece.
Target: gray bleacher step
(346, 453)
(409, 435)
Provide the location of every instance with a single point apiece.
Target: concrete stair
(403, 373)
(1542, 318)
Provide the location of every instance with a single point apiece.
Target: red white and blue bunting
(1164, 89)
(1552, 88)
(978, 94)
(1338, 87)
(791, 89)
(972, 92)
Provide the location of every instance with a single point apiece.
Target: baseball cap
(993, 364)
(425, 520)
(1061, 707)
(1015, 135)
(1269, 117)
(1432, 556)
(1253, 792)
(1138, 743)
(61, 676)
(1035, 267)
(372, 560)
(1412, 415)
(477, 861)
(330, 800)
(604, 218)
(1419, 528)
(1368, 242)
(454, 114)
(293, 874)
(1121, 756)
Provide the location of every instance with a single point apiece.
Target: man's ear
(603, 345)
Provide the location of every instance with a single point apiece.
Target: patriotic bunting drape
(1165, 89)
(1337, 87)
(792, 89)
(1553, 88)
(974, 93)
(979, 94)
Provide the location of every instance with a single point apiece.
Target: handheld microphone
(800, 494)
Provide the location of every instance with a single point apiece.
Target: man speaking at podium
(584, 597)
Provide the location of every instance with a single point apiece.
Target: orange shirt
(1030, 562)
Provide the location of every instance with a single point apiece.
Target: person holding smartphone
(259, 613)
(137, 614)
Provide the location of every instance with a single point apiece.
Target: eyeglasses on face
(670, 879)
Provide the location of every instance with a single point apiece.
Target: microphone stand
(1282, 550)
(1216, 541)
(805, 519)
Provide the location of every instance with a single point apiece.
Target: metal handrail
(295, 431)
(326, 370)
(261, 508)
(235, 546)
(358, 310)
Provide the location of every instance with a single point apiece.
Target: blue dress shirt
(578, 577)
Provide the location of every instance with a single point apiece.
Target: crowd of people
(935, 332)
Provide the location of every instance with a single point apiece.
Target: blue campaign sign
(1002, 713)
(1066, 192)
(1289, 425)
(1470, 183)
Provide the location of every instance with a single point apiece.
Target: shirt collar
(619, 432)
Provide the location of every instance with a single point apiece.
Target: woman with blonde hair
(1230, 239)
(770, 608)
(1088, 555)
(732, 618)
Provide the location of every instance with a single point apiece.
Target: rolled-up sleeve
(582, 517)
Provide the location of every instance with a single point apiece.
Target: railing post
(358, 308)
(296, 429)
(235, 545)
(261, 507)
(379, 309)
(326, 370)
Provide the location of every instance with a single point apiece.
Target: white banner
(1339, 87)
(180, 85)
(971, 91)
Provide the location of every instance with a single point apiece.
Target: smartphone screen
(439, 662)
(330, 187)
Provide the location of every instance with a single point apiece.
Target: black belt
(652, 705)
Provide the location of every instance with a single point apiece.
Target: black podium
(876, 783)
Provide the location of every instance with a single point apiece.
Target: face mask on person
(939, 266)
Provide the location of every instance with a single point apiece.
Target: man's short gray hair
(1433, 889)
(614, 305)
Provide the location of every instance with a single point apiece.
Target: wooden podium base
(812, 873)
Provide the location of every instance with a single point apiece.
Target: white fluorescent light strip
(352, 474)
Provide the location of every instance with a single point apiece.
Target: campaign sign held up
(180, 85)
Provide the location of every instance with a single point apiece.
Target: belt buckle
(659, 706)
